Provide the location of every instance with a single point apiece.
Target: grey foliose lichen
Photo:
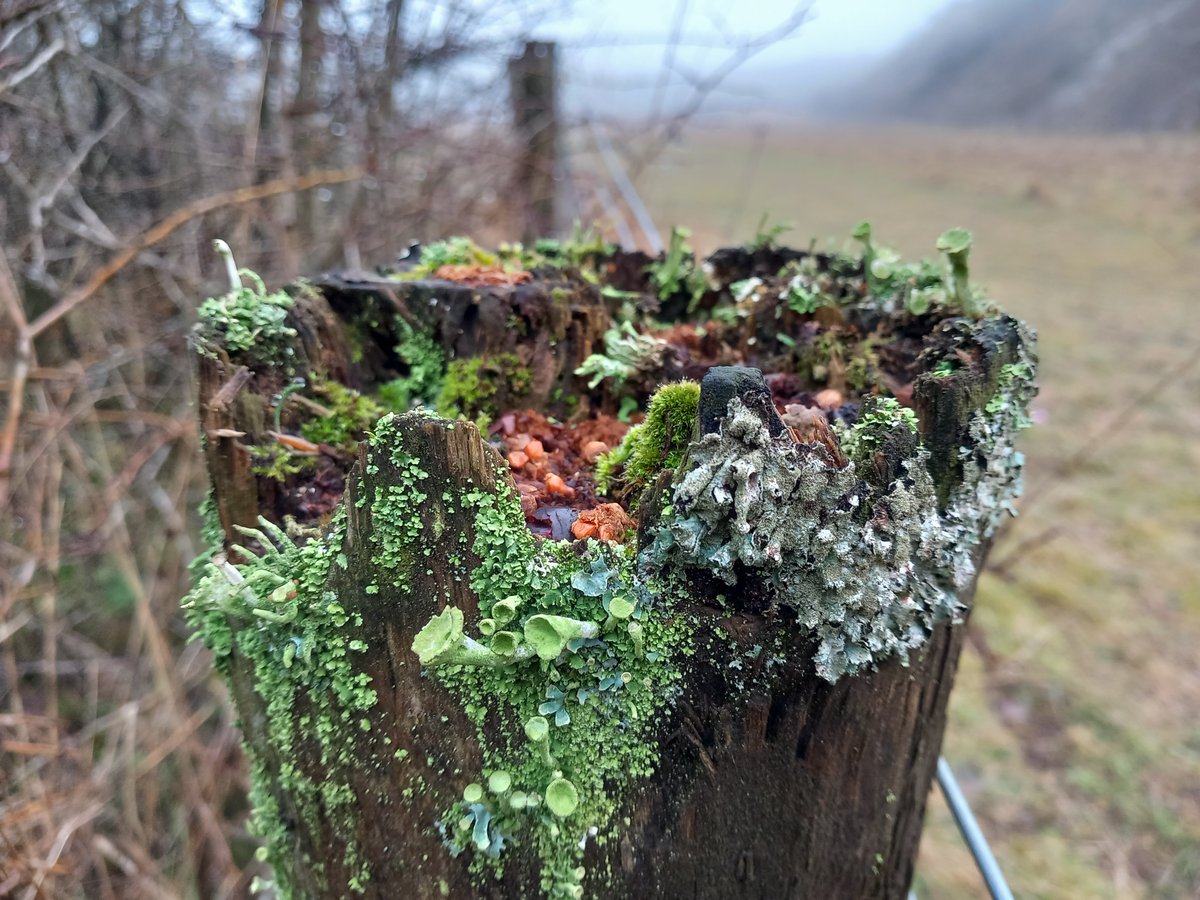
(870, 571)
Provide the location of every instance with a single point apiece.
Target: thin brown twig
(26, 332)
(181, 217)
(1099, 439)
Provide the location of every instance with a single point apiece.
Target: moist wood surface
(802, 789)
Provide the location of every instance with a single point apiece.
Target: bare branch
(39, 60)
(181, 217)
(23, 19)
(704, 86)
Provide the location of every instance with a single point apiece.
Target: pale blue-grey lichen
(870, 571)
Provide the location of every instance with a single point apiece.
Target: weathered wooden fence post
(533, 92)
(747, 700)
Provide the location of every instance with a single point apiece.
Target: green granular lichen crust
(598, 701)
(278, 613)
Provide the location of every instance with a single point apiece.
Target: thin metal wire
(972, 834)
(625, 186)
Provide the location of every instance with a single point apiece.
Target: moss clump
(426, 365)
(351, 415)
(471, 386)
(659, 443)
(454, 251)
(250, 321)
(279, 463)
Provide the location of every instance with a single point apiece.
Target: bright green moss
(659, 443)
(426, 366)
(351, 414)
(471, 386)
(454, 251)
(279, 463)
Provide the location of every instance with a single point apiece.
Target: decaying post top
(492, 638)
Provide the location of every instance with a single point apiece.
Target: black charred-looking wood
(731, 264)
(722, 383)
(803, 790)
(887, 464)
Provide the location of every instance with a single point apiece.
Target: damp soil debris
(829, 330)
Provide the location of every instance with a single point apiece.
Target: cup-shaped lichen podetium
(508, 644)
(504, 611)
(549, 635)
(442, 643)
(956, 244)
(537, 730)
(561, 797)
(862, 233)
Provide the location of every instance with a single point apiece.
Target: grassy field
(1074, 725)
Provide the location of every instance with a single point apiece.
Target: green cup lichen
(537, 730)
(499, 782)
(561, 797)
(504, 611)
(508, 643)
(956, 244)
(442, 642)
(549, 635)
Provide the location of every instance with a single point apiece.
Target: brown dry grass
(1073, 725)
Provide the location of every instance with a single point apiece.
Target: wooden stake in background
(533, 87)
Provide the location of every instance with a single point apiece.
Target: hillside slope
(1074, 64)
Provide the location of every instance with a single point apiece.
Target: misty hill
(1072, 64)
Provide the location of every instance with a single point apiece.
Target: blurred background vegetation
(316, 134)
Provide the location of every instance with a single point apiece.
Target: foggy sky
(613, 50)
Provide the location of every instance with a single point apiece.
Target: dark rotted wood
(413, 713)
(946, 405)
(347, 330)
(416, 713)
(550, 324)
(805, 790)
(229, 410)
(722, 383)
